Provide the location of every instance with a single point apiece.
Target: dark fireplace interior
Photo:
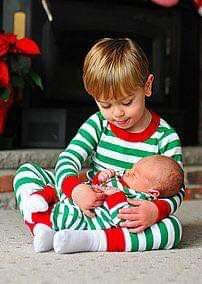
(170, 38)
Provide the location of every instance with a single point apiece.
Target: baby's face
(142, 177)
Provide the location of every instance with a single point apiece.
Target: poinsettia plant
(15, 64)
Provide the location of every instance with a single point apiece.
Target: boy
(116, 74)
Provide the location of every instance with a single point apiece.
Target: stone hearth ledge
(11, 159)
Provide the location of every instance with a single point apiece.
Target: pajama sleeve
(72, 159)
(114, 203)
(169, 145)
(118, 200)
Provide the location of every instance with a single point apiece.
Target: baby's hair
(171, 175)
(114, 68)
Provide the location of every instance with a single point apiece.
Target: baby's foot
(32, 204)
(37, 203)
(68, 241)
(43, 238)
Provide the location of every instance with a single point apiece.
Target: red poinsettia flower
(15, 70)
(10, 46)
(7, 41)
(4, 46)
(26, 46)
(4, 77)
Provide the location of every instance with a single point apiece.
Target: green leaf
(24, 64)
(17, 81)
(19, 64)
(36, 79)
(4, 94)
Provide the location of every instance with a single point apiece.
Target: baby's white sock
(32, 204)
(43, 238)
(68, 241)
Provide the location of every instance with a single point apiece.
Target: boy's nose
(118, 112)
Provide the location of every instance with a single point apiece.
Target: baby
(159, 176)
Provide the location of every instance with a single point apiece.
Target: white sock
(43, 238)
(68, 241)
(32, 204)
(37, 203)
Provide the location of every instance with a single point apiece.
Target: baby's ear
(154, 192)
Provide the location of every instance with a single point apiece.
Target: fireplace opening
(169, 37)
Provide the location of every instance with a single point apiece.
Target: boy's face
(128, 113)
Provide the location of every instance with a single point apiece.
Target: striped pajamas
(118, 150)
(107, 148)
(67, 215)
(163, 235)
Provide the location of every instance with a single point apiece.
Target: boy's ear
(148, 85)
(154, 192)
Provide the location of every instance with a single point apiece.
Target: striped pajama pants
(66, 215)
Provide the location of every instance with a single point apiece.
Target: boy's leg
(164, 235)
(66, 215)
(30, 178)
(68, 241)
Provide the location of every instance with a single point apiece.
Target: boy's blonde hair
(114, 68)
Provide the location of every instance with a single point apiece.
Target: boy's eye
(105, 106)
(127, 103)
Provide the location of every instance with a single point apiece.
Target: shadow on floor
(192, 236)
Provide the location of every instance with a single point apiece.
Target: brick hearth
(10, 160)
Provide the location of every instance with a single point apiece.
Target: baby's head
(159, 175)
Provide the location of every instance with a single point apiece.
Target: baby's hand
(110, 190)
(105, 175)
(87, 199)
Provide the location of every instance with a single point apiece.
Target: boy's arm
(117, 200)
(71, 160)
(167, 206)
(170, 145)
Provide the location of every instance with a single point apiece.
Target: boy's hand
(87, 199)
(141, 216)
(105, 175)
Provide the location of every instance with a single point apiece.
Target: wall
(10, 160)
(200, 80)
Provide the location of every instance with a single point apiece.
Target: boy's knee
(19, 170)
(174, 230)
(178, 231)
(26, 166)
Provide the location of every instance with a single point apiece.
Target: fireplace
(170, 38)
